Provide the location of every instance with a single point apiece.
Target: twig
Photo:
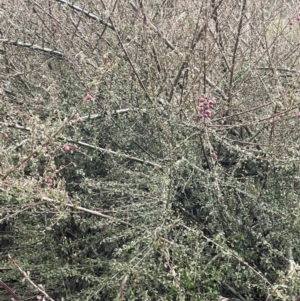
(37, 287)
(108, 151)
(212, 260)
(234, 55)
(88, 14)
(32, 46)
(17, 126)
(18, 145)
(219, 90)
(93, 212)
(234, 291)
(86, 117)
(281, 283)
(278, 69)
(204, 152)
(10, 291)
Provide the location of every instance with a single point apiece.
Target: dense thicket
(149, 149)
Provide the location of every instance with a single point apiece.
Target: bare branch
(234, 56)
(234, 291)
(32, 46)
(87, 13)
(16, 126)
(9, 290)
(108, 151)
(93, 212)
(37, 287)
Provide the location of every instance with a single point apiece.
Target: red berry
(207, 113)
(201, 99)
(80, 120)
(5, 135)
(212, 102)
(50, 181)
(66, 148)
(89, 96)
(298, 115)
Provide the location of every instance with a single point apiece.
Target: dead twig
(108, 151)
(9, 290)
(32, 46)
(37, 287)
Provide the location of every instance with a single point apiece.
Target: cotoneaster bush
(150, 149)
